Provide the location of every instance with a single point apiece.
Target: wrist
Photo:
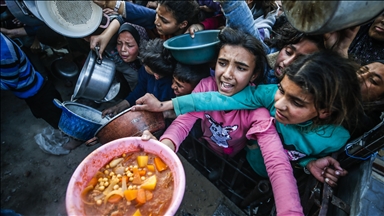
(117, 6)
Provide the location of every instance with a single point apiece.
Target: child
(171, 18)
(318, 93)
(238, 15)
(240, 62)
(186, 77)
(155, 76)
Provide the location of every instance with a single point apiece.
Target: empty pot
(79, 121)
(128, 124)
(319, 17)
(95, 78)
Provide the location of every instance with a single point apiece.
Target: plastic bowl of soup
(202, 48)
(100, 158)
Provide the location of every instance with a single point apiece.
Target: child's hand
(100, 41)
(149, 103)
(112, 111)
(194, 28)
(326, 169)
(340, 41)
(147, 136)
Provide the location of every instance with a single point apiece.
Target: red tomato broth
(161, 195)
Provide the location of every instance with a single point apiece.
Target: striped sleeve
(17, 73)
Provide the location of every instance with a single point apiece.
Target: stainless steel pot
(95, 78)
(25, 11)
(319, 17)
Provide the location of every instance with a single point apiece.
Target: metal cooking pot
(319, 17)
(79, 121)
(95, 78)
(127, 124)
(25, 11)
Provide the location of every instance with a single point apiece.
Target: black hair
(283, 34)
(333, 83)
(191, 74)
(156, 57)
(188, 10)
(236, 37)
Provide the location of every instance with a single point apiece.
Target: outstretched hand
(114, 110)
(147, 136)
(326, 169)
(339, 41)
(100, 41)
(149, 103)
(194, 28)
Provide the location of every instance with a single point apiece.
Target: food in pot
(137, 183)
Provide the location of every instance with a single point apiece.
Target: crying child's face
(234, 69)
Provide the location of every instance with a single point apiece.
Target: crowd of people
(287, 98)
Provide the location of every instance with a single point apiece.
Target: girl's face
(181, 88)
(293, 105)
(234, 69)
(291, 52)
(166, 24)
(372, 81)
(127, 47)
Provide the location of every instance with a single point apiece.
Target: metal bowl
(198, 50)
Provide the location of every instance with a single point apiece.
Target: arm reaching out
(103, 39)
(148, 135)
(326, 169)
(340, 41)
(150, 103)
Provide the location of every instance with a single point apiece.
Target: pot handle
(98, 60)
(61, 106)
(91, 141)
(58, 103)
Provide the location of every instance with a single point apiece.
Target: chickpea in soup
(137, 183)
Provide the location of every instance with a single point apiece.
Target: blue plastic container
(198, 50)
(79, 121)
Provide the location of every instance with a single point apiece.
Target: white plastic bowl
(99, 157)
(86, 23)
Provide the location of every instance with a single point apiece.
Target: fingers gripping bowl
(104, 154)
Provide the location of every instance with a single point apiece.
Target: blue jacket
(140, 15)
(147, 83)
